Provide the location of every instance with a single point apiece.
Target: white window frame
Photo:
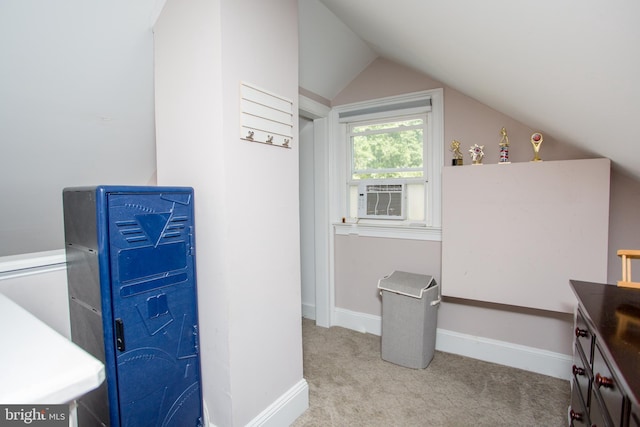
(340, 147)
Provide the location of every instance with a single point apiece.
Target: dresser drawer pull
(603, 381)
(577, 371)
(581, 333)
(575, 415)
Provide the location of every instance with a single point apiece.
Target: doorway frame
(323, 236)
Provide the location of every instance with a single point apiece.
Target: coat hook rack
(265, 117)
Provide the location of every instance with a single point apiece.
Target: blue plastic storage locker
(132, 299)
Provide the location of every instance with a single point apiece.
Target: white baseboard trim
(531, 359)
(309, 311)
(361, 322)
(286, 409)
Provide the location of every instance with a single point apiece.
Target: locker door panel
(154, 309)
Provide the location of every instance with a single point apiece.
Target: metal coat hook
(250, 135)
(269, 139)
(286, 142)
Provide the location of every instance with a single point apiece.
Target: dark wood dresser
(605, 386)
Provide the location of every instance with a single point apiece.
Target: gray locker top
(409, 284)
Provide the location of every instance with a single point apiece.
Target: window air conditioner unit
(381, 200)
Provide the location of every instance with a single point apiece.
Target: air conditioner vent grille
(387, 188)
(381, 201)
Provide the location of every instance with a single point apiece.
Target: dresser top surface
(614, 313)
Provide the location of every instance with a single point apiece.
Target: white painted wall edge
(286, 409)
(531, 359)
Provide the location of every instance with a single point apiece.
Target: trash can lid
(409, 284)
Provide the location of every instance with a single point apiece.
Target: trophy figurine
(536, 140)
(457, 154)
(504, 148)
(476, 154)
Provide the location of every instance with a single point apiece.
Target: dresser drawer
(578, 413)
(584, 336)
(607, 388)
(598, 413)
(581, 374)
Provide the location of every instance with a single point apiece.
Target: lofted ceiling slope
(331, 54)
(569, 69)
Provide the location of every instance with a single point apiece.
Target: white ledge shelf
(389, 231)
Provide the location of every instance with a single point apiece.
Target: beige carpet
(350, 385)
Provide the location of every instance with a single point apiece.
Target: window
(388, 152)
(394, 151)
(392, 148)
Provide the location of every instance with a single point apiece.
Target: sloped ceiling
(570, 69)
(331, 54)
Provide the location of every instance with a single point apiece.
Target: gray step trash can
(409, 318)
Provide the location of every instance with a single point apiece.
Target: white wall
(76, 85)
(246, 199)
(186, 148)
(524, 231)
(38, 283)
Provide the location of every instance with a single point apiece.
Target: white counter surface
(37, 364)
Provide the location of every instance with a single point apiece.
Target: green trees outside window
(390, 149)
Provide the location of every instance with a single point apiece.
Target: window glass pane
(353, 201)
(394, 154)
(415, 201)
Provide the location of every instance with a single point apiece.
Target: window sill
(389, 231)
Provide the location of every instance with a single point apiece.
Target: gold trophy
(536, 140)
(457, 154)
